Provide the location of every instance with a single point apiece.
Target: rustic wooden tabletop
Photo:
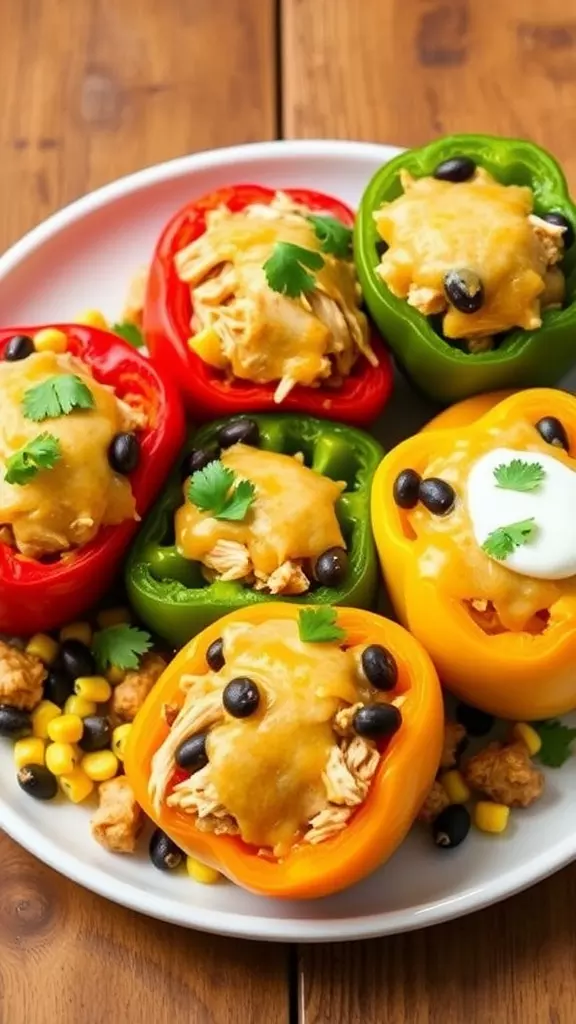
(92, 90)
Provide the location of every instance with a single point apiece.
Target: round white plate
(83, 257)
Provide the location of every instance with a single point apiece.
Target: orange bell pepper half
(518, 674)
(403, 778)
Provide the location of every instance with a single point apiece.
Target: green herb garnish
(319, 626)
(130, 332)
(286, 269)
(120, 646)
(519, 475)
(503, 541)
(217, 490)
(41, 453)
(334, 237)
(556, 742)
(56, 396)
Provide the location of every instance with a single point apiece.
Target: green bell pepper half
(169, 593)
(524, 358)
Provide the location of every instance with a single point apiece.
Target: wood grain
(92, 90)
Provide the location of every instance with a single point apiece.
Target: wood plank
(92, 90)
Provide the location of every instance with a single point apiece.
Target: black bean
(561, 221)
(456, 168)
(241, 429)
(215, 655)
(97, 733)
(379, 667)
(191, 754)
(464, 290)
(553, 432)
(197, 459)
(124, 453)
(15, 723)
(58, 686)
(331, 567)
(451, 826)
(241, 697)
(37, 781)
(405, 490)
(377, 721)
(381, 247)
(475, 721)
(19, 347)
(76, 659)
(164, 853)
(437, 496)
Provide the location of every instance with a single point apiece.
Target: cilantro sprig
(41, 453)
(557, 740)
(217, 490)
(334, 237)
(287, 269)
(57, 396)
(130, 332)
(120, 647)
(519, 475)
(319, 626)
(503, 541)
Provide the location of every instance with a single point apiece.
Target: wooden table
(92, 90)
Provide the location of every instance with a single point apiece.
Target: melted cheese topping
(292, 516)
(63, 507)
(260, 334)
(480, 225)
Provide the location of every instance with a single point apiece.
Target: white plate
(83, 257)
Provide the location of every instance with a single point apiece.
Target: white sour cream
(550, 554)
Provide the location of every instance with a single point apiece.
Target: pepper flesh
(523, 358)
(517, 675)
(404, 775)
(166, 325)
(37, 596)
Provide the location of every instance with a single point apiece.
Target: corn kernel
(44, 647)
(528, 736)
(208, 345)
(120, 738)
(76, 785)
(490, 817)
(44, 713)
(50, 340)
(93, 318)
(201, 872)
(100, 766)
(113, 617)
(95, 688)
(80, 706)
(61, 758)
(66, 729)
(115, 675)
(29, 751)
(455, 786)
(81, 631)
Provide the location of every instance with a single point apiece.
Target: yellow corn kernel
(76, 785)
(201, 872)
(61, 758)
(528, 736)
(455, 786)
(113, 617)
(95, 688)
(44, 713)
(208, 346)
(120, 738)
(77, 631)
(100, 766)
(44, 647)
(66, 729)
(115, 675)
(80, 706)
(93, 318)
(29, 751)
(490, 817)
(50, 340)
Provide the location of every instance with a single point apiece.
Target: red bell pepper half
(168, 310)
(37, 595)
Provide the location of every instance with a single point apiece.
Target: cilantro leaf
(286, 269)
(556, 742)
(215, 489)
(41, 453)
(503, 541)
(334, 237)
(319, 626)
(120, 646)
(57, 396)
(519, 475)
(130, 332)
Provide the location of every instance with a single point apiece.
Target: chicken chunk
(436, 801)
(454, 741)
(21, 678)
(118, 820)
(130, 695)
(505, 774)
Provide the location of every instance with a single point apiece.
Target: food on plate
(285, 767)
(505, 773)
(88, 432)
(270, 506)
(118, 821)
(252, 303)
(465, 252)
(475, 526)
(130, 694)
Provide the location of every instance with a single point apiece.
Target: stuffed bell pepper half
(252, 304)
(475, 524)
(263, 508)
(290, 747)
(465, 253)
(88, 434)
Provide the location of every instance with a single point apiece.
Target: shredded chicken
(229, 559)
(288, 578)
(21, 678)
(550, 237)
(454, 743)
(427, 300)
(118, 820)
(505, 774)
(197, 715)
(436, 801)
(134, 305)
(327, 824)
(343, 719)
(342, 785)
(131, 693)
